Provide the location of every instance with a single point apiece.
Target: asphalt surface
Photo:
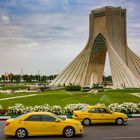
(129, 131)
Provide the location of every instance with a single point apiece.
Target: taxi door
(50, 126)
(32, 124)
(107, 116)
(94, 115)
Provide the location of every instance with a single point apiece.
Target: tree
(43, 78)
(26, 78)
(16, 78)
(3, 77)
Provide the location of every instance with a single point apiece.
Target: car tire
(68, 132)
(119, 121)
(86, 122)
(21, 133)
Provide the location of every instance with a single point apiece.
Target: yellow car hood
(72, 121)
(77, 112)
(10, 120)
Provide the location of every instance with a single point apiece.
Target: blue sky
(48, 34)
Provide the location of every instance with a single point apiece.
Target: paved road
(129, 131)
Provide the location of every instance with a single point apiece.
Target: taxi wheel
(21, 133)
(119, 121)
(86, 122)
(69, 132)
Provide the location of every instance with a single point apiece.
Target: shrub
(125, 107)
(128, 108)
(138, 106)
(14, 87)
(68, 109)
(73, 88)
(38, 108)
(57, 110)
(3, 112)
(19, 109)
(114, 107)
(28, 109)
(47, 108)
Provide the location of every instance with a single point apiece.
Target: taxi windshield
(84, 109)
(62, 118)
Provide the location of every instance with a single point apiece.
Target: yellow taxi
(42, 123)
(99, 114)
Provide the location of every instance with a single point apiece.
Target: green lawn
(62, 97)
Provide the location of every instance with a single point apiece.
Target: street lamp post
(21, 75)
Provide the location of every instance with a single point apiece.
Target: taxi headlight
(79, 124)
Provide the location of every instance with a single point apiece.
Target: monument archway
(96, 61)
(107, 33)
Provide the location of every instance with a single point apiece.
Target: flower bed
(128, 108)
(18, 109)
(3, 112)
(68, 109)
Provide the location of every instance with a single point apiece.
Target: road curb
(2, 118)
(5, 117)
(133, 115)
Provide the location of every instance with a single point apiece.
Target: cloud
(136, 25)
(5, 19)
(34, 44)
(48, 34)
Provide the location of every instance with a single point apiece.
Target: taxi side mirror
(57, 120)
(110, 112)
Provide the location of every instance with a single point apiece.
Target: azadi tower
(107, 33)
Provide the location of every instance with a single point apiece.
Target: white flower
(57, 109)
(19, 109)
(125, 107)
(68, 109)
(99, 104)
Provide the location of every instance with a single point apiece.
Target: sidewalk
(135, 94)
(3, 99)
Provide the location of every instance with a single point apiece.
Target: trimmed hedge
(14, 87)
(73, 88)
(3, 112)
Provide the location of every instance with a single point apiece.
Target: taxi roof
(36, 113)
(96, 106)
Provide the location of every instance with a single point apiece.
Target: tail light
(75, 115)
(7, 123)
